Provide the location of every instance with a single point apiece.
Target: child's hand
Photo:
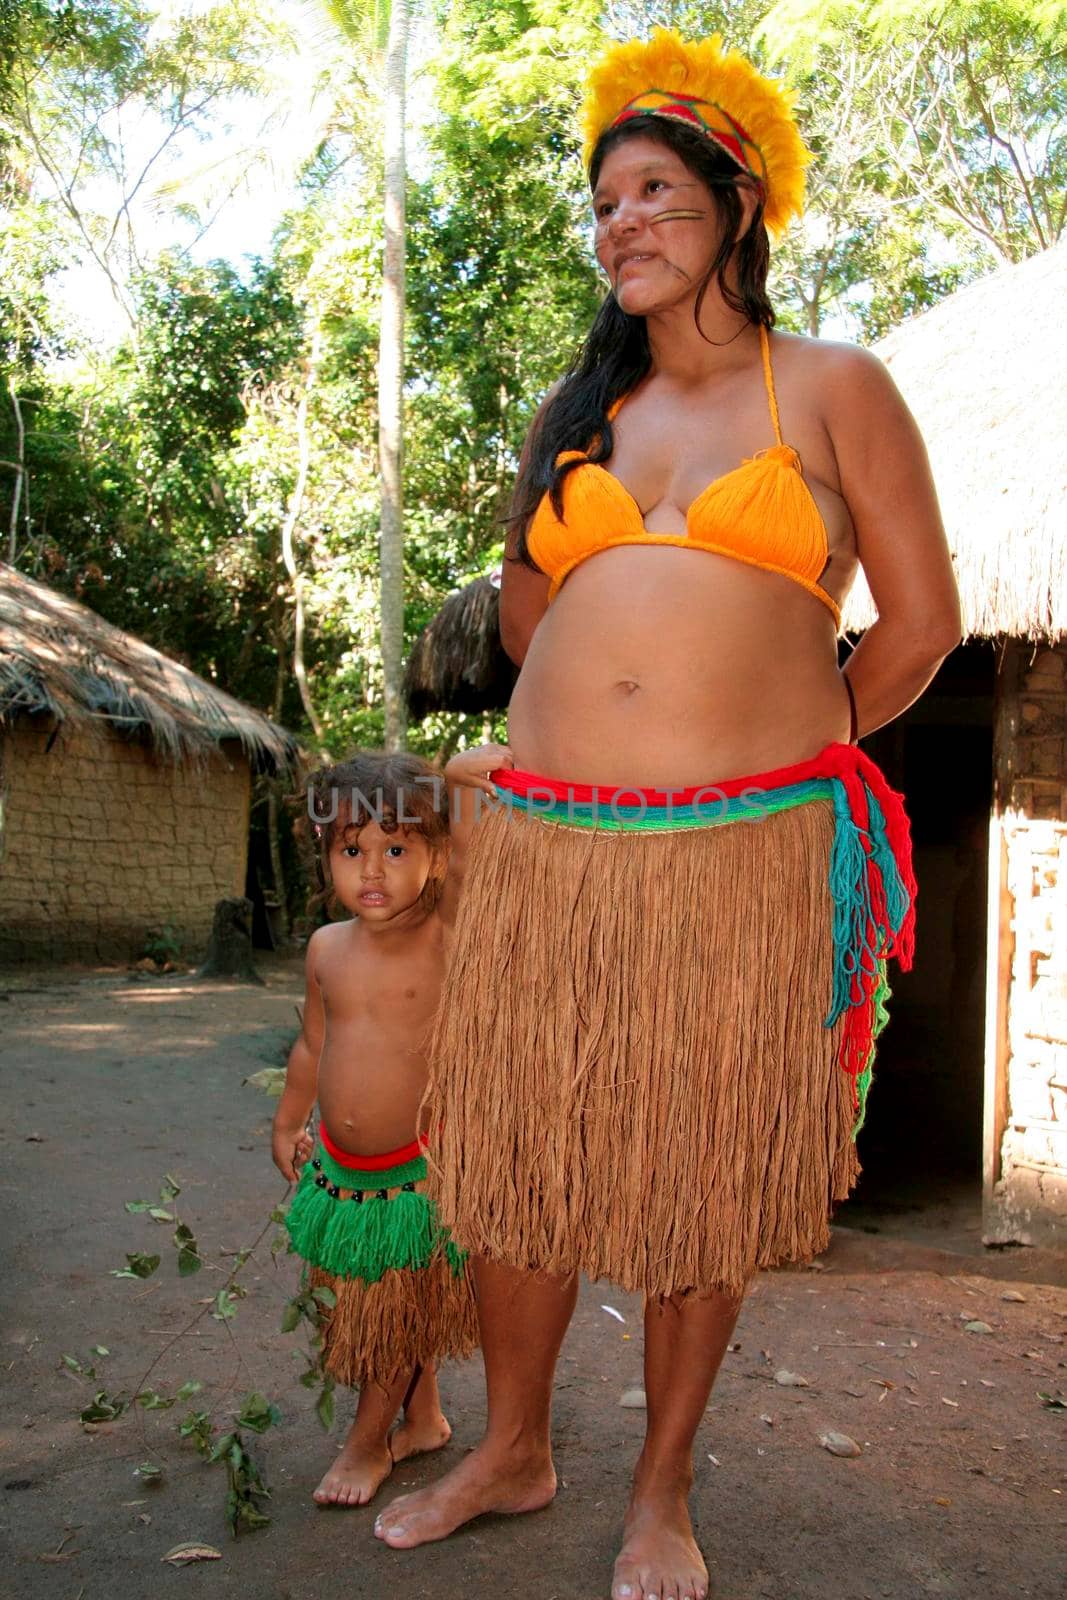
(471, 768)
(290, 1147)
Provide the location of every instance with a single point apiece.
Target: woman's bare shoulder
(841, 370)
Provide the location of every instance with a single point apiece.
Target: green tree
(970, 116)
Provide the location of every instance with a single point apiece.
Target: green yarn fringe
(864, 1079)
(366, 1239)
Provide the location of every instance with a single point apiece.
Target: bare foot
(415, 1436)
(659, 1559)
(487, 1480)
(356, 1475)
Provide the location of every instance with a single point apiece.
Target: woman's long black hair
(615, 355)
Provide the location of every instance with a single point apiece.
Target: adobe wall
(101, 840)
(1027, 1035)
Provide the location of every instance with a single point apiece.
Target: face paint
(677, 216)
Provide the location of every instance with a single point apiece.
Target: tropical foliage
(208, 475)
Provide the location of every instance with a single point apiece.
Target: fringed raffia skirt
(657, 1035)
(401, 1288)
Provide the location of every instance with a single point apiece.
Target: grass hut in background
(983, 756)
(125, 785)
(457, 663)
(971, 1099)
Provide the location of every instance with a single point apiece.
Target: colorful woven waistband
(391, 1158)
(871, 880)
(651, 810)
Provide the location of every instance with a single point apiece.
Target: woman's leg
(522, 1317)
(685, 1340)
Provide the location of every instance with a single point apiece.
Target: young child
(360, 1216)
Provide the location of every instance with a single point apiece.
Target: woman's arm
(887, 485)
(470, 796)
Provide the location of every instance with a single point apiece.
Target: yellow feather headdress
(714, 90)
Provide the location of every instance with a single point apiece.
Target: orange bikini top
(762, 513)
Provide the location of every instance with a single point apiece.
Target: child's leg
(364, 1460)
(425, 1426)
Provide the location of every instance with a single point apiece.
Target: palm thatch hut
(987, 746)
(457, 663)
(125, 784)
(974, 1077)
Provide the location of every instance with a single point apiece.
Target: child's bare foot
(485, 1481)
(659, 1556)
(356, 1475)
(417, 1435)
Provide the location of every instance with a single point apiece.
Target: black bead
(317, 1165)
(334, 1192)
(383, 1194)
(357, 1196)
(409, 1188)
(321, 1181)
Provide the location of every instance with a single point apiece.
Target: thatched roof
(457, 663)
(59, 658)
(984, 373)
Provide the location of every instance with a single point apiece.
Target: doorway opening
(921, 1148)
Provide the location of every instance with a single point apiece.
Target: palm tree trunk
(391, 380)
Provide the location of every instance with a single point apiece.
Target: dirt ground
(110, 1081)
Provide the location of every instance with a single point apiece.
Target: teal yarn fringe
(366, 1239)
(850, 891)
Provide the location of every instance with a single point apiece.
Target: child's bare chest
(379, 994)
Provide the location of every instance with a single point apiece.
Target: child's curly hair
(397, 791)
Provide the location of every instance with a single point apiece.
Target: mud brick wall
(1032, 1190)
(101, 840)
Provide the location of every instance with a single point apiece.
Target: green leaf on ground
(188, 1389)
(153, 1401)
(270, 1079)
(104, 1408)
(225, 1306)
(149, 1472)
(183, 1554)
(324, 1296)
(137, 1266)
(257, 1413)
(197, 1427)
(222, 1447)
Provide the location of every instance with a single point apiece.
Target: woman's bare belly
(669, 667)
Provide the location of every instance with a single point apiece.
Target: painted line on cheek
(677, 216)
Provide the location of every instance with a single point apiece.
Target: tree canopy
(155, 475)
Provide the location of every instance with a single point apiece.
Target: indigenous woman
(670, 968)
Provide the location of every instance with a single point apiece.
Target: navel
(627, 686)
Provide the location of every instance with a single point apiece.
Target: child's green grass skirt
(403, 1291)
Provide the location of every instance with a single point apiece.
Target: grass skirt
(638, 1063)
(402, 1289)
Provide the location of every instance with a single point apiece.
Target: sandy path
(109, 1083)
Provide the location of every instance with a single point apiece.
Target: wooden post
(1000, 938)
